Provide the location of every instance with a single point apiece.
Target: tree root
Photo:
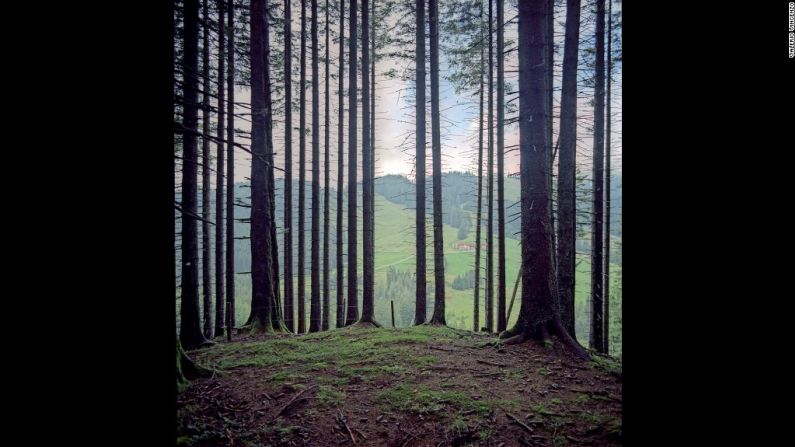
(513, 340)
(187, 369)
(521, 333)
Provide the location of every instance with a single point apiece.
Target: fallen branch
(515, 419)
(441, 349)
(597, 395)
(486, 362)
(408, 440)
(487, 374)
(288, 404)
(341, 420)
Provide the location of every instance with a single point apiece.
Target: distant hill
(395, 252)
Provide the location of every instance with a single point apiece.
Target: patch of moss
(593, 418)
(284, 376)
(486, 433)
(332, 380)
(327, 395)
(607, 364)
(421, 400)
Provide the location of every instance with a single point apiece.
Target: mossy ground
(404, 387)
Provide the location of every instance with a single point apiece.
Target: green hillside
(394, 252)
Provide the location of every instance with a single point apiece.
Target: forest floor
(419, 386)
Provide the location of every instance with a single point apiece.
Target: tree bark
(368, 305)
(187, 369)
(324, 325)
(501, 319)
(539, 315)
(371, 25)
(277, 317)
(340, 172)
(476, 313)
(373, 22)
(436, 154)
(289, 294)
(353, 309)
(550, 118)
(420, 305)
(263, 297)
(302, 181)
(490, 189)
(567, 167)
(230, 173)
(606, 287)
(206, 261)
(190, 327)
(597, 237)
(314, 310)
(220, 299)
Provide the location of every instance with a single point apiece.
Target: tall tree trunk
(262, 291)
(606, 287)
(230, 172)
(368, 305)
(340, 171)
(353, 309)
(476, 313)
(302, 181)
(314, 310)
(206, 261)
(190, 326)
(277, 317)
(597, 236)
(539, 315)
(373, 23)
(436, 155)
(326, 308)
(501, 318)
(220, 300)
(567, 166)
(550, 83)
(289, 294)
(419, 310)
(490, 188)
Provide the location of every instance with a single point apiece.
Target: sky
(394, 110)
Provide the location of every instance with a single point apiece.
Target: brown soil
(535, 395)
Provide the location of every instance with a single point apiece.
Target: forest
(398, 223)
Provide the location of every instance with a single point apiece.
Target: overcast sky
(394, 110)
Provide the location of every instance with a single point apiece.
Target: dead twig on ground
(486, 362)
(515, 419)
(288, 404)
(343, 421)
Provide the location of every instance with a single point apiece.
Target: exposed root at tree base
(515, 339)
(522, 333)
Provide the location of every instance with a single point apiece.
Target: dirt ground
(420, 386)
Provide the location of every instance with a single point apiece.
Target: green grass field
(394, 247)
